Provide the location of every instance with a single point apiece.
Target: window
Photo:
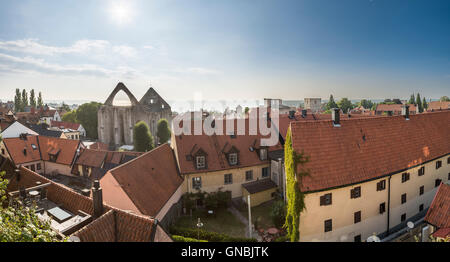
(421, 208)
(403, 218)
(263, 153)
(448, 160)
(405, 177)
(438, 164)
(325, 200)
(328, 225)
(381, 185)
(421, 190)
(249, 175)
(422, 171)
(357, 238)
(403, 198)
(437, 182)
(196, 182)
(355, 192)
(357, 217)
(200, 161)
(33, 168)
(232, 159)
(265, 172)
(38, 166)
(448, 176)
(382, 208)
(228, 178)
(3, 151)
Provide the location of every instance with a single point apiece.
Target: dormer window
(233, 159)
(200, 162)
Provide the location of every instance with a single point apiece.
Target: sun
(121, 12)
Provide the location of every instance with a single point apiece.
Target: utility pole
(249, 217)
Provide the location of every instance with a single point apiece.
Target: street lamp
(199, 225)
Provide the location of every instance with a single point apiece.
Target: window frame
(197, 182)
(228, 179)
(233, 156)
(247, 175)
(357, 217)
(381, 185)
(404, 198)
(421, 171)
(355, 192)
(438, 164)
(326, 199)
(197, 158)
(405, 177)
(267, 173)
(382, 208)
(328, 225)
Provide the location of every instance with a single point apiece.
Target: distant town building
(314, 104)
(116, 123)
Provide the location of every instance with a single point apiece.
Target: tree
(18, 101)
(345, 105)
(32, 99)
(65, 107)
(40, 102)
(163, 131)
(331, 104)
(87, 116)
(70, 116)
(397, 101)
(424, 104)
(367, 104)
(21, 224)
(24, 99)
(142, 138)
(444, 99)
(411, 99)
(419, 103)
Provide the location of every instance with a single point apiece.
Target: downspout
(388, 204)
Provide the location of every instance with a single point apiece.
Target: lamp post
(199, 225)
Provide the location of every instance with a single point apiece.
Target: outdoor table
(272, 231)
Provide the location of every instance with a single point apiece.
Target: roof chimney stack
(336, 117)
(97, 198)
(291, 114)
(405, 111)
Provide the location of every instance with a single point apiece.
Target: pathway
(244, 220)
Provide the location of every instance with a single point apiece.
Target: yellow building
(369, 175)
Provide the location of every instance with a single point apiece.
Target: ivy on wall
(295, 197)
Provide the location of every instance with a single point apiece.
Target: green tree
(21, 224)
(40, 102)
(419, 103)
(345, 105)
(331, 104)
(32, 98)
(24, 99)
(247, 109)
(87, 116)
(367, 104)
(163, 131)
(424, 104)
(65, 107)
(18, 101)
(444, 99)
(412, 99)
(142, 138)
(70, 116)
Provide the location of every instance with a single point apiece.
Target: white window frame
(200, 162)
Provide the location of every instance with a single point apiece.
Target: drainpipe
(388, 204)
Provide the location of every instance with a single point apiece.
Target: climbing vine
(294, 196)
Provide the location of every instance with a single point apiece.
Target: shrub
(186, 239)
(282, 239)
(207, 235)
(278, 213)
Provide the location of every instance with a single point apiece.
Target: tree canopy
(87, 116)
(345, 105)
(142, 137)
(70, 116)
(444, 99)
(331, 104)
(367, 104)
(163, 131)
(419, 103)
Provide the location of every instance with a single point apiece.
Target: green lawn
(223, 222)
(262, 213)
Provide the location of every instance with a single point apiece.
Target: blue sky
(233, 49)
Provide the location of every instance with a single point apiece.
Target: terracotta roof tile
(91, 158)
(438, 105)
(439, 212)
(65, 125)
(147, 183)
(67, 149)
(259, 185)
(22, 151)
(367, 148)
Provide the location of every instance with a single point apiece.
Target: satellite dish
(373, 238)
(410, 224)
(74, 239)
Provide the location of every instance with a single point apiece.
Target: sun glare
(121, 12)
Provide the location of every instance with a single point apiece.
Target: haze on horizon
(234, 49)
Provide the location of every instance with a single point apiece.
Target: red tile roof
(396, 108)
(21, 151)
(442, 232)
(65, 148)
(65, 125)
(438, 105)
(99, 146)
(148, 181)
(91, 158)
(216, 146)
(367, 148)
(438, 214)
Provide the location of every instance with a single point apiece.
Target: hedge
(207, 235)
(185, 239)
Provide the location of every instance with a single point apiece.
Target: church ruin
(116, 123)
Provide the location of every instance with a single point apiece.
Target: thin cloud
(203, 71)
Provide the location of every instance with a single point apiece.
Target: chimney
(405, 111)
(97, 198)
(291, 114)
(304, 112)
(336, 117)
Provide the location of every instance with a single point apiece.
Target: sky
(229, 49)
